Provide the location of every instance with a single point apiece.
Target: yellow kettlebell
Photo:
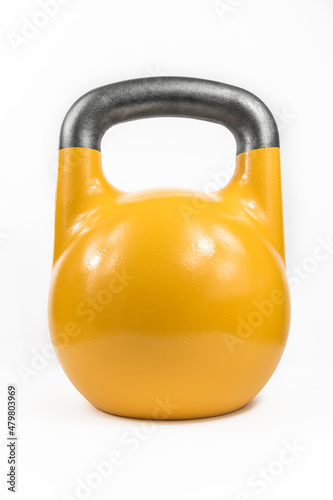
(169, 304)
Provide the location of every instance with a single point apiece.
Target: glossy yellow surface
(169, 303)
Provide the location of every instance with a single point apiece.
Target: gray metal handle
(246, 116)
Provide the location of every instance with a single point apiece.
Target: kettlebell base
(174, 416)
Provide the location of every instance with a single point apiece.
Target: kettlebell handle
(246, 116)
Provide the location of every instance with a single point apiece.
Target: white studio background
(282, 52)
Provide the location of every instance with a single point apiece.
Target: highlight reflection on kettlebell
(152, 300)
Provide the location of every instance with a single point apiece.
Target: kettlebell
(169, 304)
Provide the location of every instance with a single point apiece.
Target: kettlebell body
(169, 304)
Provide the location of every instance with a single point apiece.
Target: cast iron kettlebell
(169, 304)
